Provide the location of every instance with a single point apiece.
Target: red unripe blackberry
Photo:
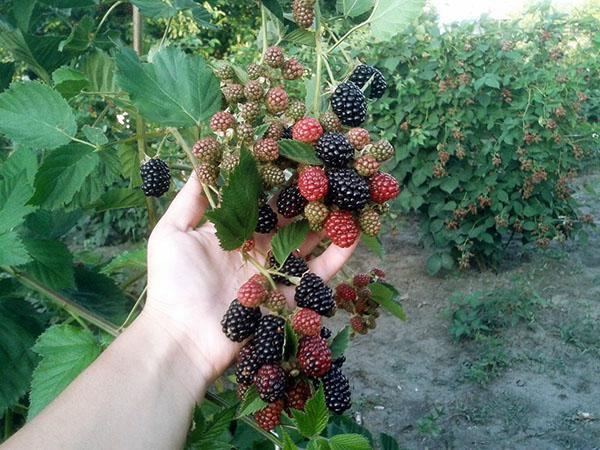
(341, 228)
(369, 222)
(293, 266)
(270, 382)
(363, 73)
(330, 121)
(314, 356)
(306, 322)
(222, 121)
(269, 338)
(266, 149)
(290, 202)
(378, 273)
(156, 177)
(304, 14)
(233, 93)
(312, 183)
(251, 294)
(366, 165)
(276, 301)
(276, 100)
(253, 90)
(307, 130)
(334, 150)
(383, 187)
(269, 417)
(207, 173)
(297, 395)
(361, 280)
(267, 219)
(350, 104)
(249, 111)
(382, 150)
(345, 292)
(314, 294)
(292, 69)
(358, 138)
(255, 71)
(260, 279)
(240, 322)
(274, 56)
(358, 325)
(296, 110)
(337, 391)
(247, 246)
(207, 150)
(347, 190)
(245, 132)
(275, 130)
(247, 364)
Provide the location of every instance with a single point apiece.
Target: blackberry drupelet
(290, 202)
(156, 178)
(314, 294)
(293, 266)
(349, 104)
(363, 73)
(347, 189)
(267, 219)
(337, 390)
(334, 150)
(268, 340)
(240, 322)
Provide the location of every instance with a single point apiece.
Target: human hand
(192, 281)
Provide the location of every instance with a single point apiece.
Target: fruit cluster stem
(320, 56)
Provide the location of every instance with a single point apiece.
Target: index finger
(188, 206)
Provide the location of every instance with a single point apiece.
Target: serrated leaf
(52, 263)
(182, 97)
(318, 444)
(212, 432)
(251, 403)
(21, 164)
(134, 259)
(386, 295)
(13, 41)
(291, 342)
(22, 11)
(69, 82)
(391, 17)
(14, 194)
(129, 163)
(434, 264)
(65, 352)
(373, 243)
(388, 442)
(236, 218)
(353, 8)
(287, 442)
(349, 442)
(299, 152)
(314, 419)
(288, 239)
(169, 8)
(12, 250)
(120, 198)
(340, 343)
(302, 37)
(7, 71)
(69, 3)
(36, 116)
(99, 69)
(63, 174)
(94, 135)
(44, 224)
(275, 8)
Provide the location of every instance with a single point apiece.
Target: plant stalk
(319, 55)
(263, 30)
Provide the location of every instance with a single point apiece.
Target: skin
(141, 392)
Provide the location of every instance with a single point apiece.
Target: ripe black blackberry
(326, 333)
(240, 322)
(290, 202)
(349, 104)
(337, 390)
(347, 189)
(314, 294)
(268, 340)
(363, 73)
(267, 219)
(247, 364)
(287, 133)
(270, 382)
(156, 177)
(334, 150)
(293, 266)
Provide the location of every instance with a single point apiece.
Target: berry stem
(260, 269)
(263, 30)
(319, 55)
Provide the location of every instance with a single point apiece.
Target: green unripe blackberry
(225, 72)
(272, 175)
(382, 150)
(296, 110)
(255, 71)
(369, 222)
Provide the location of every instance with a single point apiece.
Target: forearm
(140, 393)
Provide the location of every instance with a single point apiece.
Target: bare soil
(408, 378)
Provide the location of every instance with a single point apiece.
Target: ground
(534, 385)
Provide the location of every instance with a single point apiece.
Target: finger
(312, 240)
(188, 206)
(331, 261)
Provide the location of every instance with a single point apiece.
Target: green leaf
(129, 163)
(391, 17)
(291, 342)
(12, 41)
(14, 194)
(340, 343)
(120, 198)
(315, 417)
(69, 82)
(52, 263)
(45, 224)
(36, 116)
(288, 239)
(22, 10)
(133, 259)
(216, 431)
(449, 184)
(447, 261)
(99, 69)
(386, 295)
(288, 444)
(12, 250)
(299, 152)
(318, 444)
(373, 243)
(63, 174)
(388, 442)
(21, 164)
(20, 325)
(65, 352)
(349, 442)
(182, 97)
(302, 37)
(251, 403)
(69, 3)
(169, 8)
(353, 8)
(434, 264)
(236, 218)
(94, 135)
(275, 8)
(7, 71)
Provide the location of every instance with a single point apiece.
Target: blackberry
(349, 104)
(347, 189)
(269, 337)
(326, 333)
(290, 202)
(363, 73)
(269, 417)
(313, 356)
(270, 382)
(337, 391)
(287, 133)
(314, 294)
(339, 362)
(247, 364)
(156, 178)
(334, 150)
(293, 266)
(240, 322)
(267, 219)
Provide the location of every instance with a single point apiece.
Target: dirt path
(409, 378)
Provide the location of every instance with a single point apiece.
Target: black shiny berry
(269, 338)
(349, 104)
(247, 364)
(287, 133)
(293, 266)
(363, 73)
(347, 189)
(334, 150)
(290, 202)
(267, 219)
(156, 178)
(337, 390)
(313, 293)
(240, 322)
(270, 382)
(325, 333)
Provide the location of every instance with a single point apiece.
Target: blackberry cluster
(347, 189)
(334, 150)
(313, 293)
(240, 322)
(156, 178)
(293, 267)
(349, 104)
(267, 219)
(363, 73)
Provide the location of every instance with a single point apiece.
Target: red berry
(260, 279)
(378, 273)
(297, 395)
(251, 294)
(292, 69)
(269, 417)
(361, 280)
(266, 150)
(366, 165)
(274, 56)
(222, 121)
(276, 100)
(383, 187)
(341, 228)
(313, 183)
(207, 150)
(358, 325)
(247, 246)
(345, 292)
(358, 138)
(307, 130)
(314, 356)
(276, 301)
(306, 322)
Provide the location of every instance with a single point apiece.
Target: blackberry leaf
(288, 239)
